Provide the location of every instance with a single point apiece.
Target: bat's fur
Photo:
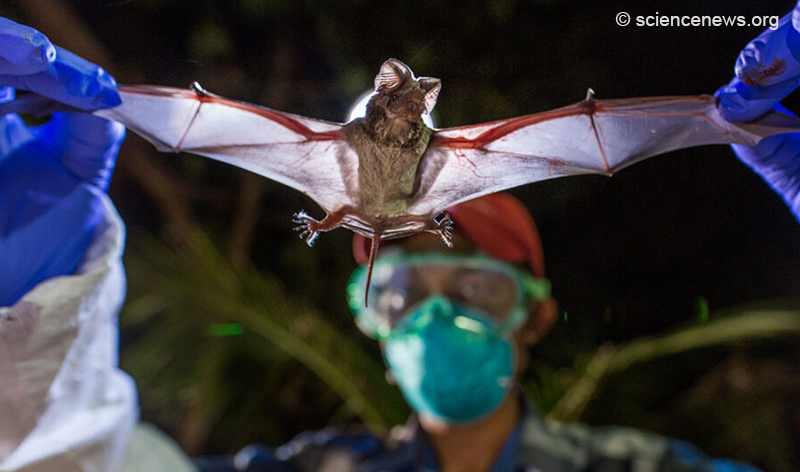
(390, 142)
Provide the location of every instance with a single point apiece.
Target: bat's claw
(307, 226)
(444, 228)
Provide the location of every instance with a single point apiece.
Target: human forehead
(426, 243)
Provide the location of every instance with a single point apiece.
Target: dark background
(655, 248)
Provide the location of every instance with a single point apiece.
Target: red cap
(498, 224)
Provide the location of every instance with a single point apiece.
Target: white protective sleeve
(64, 404)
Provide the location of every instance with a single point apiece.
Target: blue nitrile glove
(767, 70)
(52, 176)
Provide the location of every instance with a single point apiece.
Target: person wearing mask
(454, 327)
(66, 405)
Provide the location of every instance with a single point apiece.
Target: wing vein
(599, 143)
(189, 127)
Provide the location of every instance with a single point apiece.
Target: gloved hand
(767, 70)
(52, 176)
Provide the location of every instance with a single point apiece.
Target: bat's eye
(394, 98)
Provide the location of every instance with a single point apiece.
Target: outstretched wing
(309, 155)
(589, 137)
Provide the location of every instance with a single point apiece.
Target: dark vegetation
(679, 277)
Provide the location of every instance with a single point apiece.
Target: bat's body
(388, 161)
(388, 175)
(390, 142)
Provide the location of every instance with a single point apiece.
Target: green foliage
(609, 361)
(728, 382)
(182, 300)
(629, 257)
(214, 348)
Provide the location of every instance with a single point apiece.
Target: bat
(387, 175)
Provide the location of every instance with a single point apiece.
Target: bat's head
(401, 95)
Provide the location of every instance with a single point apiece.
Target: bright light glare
(360, 109)
(468, 324)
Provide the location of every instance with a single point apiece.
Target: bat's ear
(392, 74)
(431, 87)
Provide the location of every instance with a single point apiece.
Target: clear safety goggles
(499, 291)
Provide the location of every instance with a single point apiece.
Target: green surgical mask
(454, 368)
(446, 322)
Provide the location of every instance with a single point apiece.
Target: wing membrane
(590, 137)
(309, 155)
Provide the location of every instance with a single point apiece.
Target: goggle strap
(537, 288)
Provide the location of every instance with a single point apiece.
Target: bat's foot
(444, 228)
(307, 226)
(310, 228)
